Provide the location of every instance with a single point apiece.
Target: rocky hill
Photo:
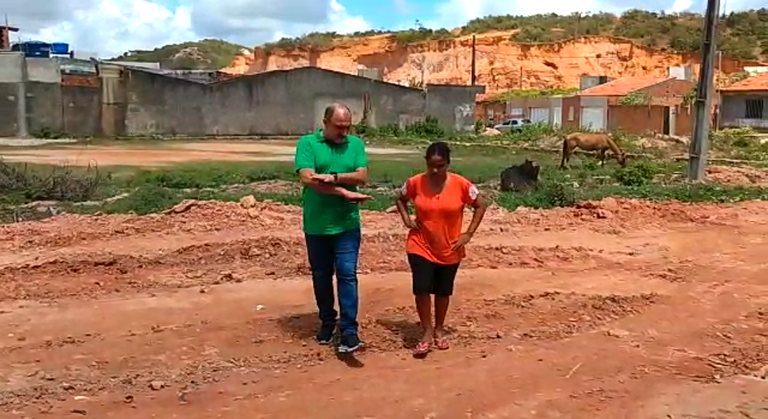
(206, 54)
(516, 52)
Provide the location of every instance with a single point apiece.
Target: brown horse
(587, 141)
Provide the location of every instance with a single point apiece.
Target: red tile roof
(484, 97)
(622, 86)
(758, 83)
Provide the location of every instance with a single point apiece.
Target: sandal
(442, 343)
(422, 348)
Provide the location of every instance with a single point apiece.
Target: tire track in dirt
(744, 350)
(262, 258)
(200, 352)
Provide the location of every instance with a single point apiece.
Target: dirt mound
(731, 175)
(266, 257)
(615, 213)
(187, 217)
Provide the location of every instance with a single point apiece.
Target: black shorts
(430, 277)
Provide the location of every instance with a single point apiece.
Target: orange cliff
(501, 64)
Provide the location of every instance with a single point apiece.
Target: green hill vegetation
(207, 54)
(742, 34)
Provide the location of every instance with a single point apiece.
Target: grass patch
(155, 190)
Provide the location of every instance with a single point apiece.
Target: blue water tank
(60, 48)
(33, 49)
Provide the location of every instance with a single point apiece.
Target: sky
(110, 27)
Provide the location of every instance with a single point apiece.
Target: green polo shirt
(329, 214)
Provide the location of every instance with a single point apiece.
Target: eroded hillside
(501, 64)
(528, 52)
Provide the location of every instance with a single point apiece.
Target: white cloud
(111, 27)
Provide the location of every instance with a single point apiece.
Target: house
(745, 103)
(539, 109)
(632, 105)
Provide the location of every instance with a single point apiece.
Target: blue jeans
(335, 253)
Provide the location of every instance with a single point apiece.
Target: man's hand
(357, 197)
(323, 178)
(461, 241)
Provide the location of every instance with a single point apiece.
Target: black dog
(521, 177)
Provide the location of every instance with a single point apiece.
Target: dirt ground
(166, 154)
(615, 309)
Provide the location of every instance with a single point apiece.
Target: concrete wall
(453, 106)
(733, 111)
(44, 110)
(81, 110)
(42, 94)
(146, 102)
(158, 104)
(289, 102)
(10, 77)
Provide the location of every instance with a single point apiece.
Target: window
(754, 108)
(570, 113)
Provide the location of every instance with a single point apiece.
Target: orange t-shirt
(440, 217)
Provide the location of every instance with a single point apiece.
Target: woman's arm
(479, 205)
(401, 203)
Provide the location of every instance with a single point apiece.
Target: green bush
(428, 128)
(636, 175)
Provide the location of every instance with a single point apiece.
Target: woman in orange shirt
(435, 245)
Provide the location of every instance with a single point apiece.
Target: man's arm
(360, 176)
(304, 160)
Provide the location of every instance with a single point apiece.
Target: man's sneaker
(350, 343)
(325, 335)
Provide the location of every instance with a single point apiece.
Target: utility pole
(697, 155)
(473, 76)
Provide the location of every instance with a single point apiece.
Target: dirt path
(615, 309)
(165, 154)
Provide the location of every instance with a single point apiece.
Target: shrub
(636, 175)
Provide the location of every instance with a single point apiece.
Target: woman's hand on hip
(461, 241)
(412, 224)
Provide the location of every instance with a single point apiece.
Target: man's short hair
(332, 108)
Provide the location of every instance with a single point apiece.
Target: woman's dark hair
(440, 149)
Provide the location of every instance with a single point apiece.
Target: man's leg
(321, 262)
(347, 249)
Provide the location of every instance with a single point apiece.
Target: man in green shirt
(331, 165)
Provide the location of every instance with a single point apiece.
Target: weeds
(22, 182)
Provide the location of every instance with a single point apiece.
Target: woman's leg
(445, 277)
(423, 272)
(424, 308)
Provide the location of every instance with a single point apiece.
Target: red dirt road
(618, 309)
